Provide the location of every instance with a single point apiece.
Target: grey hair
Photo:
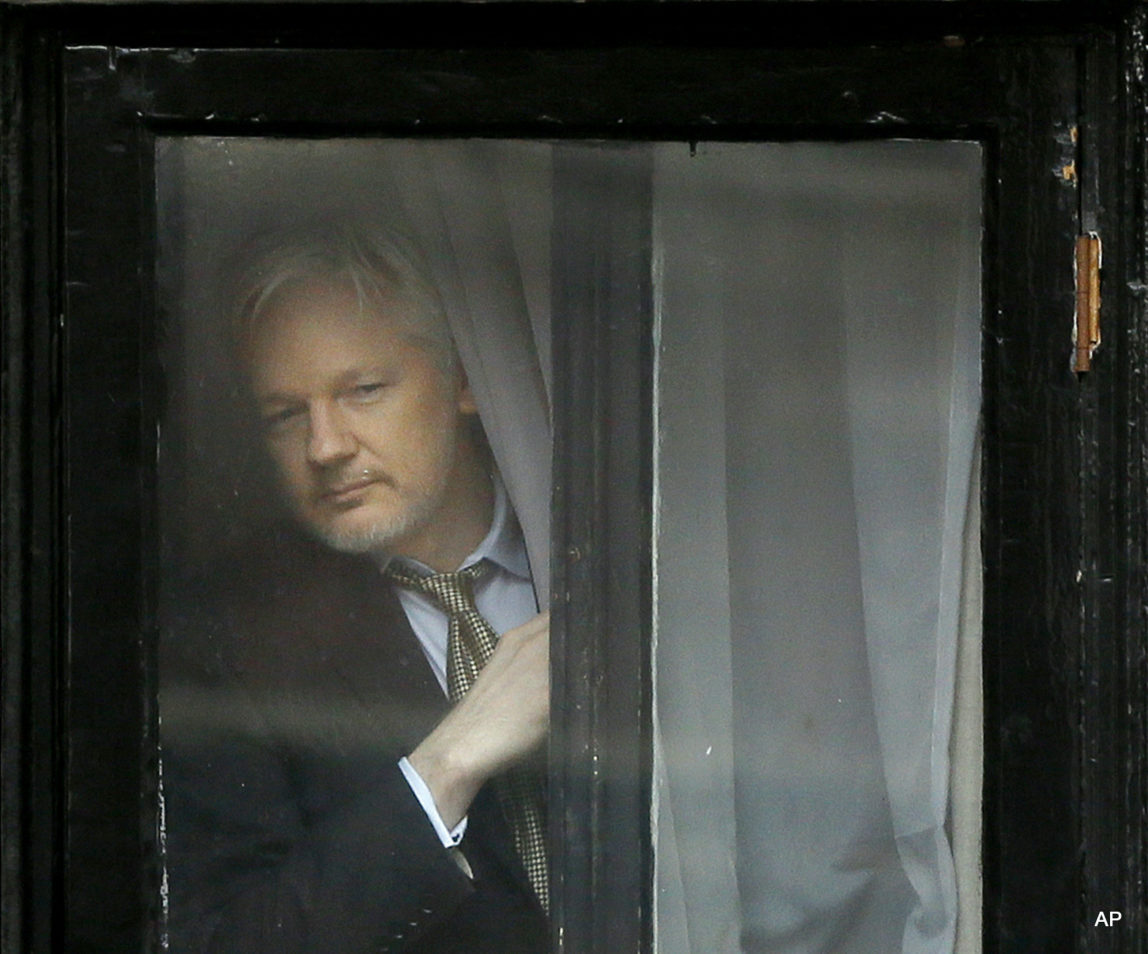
(381, 266)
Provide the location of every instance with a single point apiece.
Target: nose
(330, 439)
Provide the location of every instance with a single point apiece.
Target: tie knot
(454, 592)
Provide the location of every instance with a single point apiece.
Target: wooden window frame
(1044, 85)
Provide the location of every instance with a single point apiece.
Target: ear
(466, 404)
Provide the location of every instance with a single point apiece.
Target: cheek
(398, 433)
(288, 463)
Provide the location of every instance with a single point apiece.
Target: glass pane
(817, 556)
(355, 387)
(817, 385)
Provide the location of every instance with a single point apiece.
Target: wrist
(449, 836)
(446, 771)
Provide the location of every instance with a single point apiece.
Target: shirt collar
(503, 544)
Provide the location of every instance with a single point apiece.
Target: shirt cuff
(450, 837)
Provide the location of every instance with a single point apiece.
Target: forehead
(315, 329)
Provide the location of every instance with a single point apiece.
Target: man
(335, 800)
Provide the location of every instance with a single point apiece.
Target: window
(1038, 103)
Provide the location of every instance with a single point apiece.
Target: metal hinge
(1087, 299)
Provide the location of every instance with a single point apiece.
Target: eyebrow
(342, 380)
(275, 397)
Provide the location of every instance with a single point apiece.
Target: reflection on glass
(816, 557)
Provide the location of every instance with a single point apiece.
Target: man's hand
(498, 723)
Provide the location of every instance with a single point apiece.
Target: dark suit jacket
(285, 703)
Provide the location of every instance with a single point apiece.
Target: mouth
(347, 492)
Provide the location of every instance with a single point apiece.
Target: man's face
(363, 423)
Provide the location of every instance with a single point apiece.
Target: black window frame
(1045, 85)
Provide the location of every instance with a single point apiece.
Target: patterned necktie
(470, 644)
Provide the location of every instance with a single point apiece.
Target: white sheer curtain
(818, 394)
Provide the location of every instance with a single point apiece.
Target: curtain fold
(698, 907)
(914, 384)
(476, 210)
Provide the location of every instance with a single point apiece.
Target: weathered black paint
(1114, 505)
(601, 546)
(1065, 465)
(32, 561)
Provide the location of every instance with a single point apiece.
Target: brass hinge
(1087, 299)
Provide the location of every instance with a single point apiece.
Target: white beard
(417, 508)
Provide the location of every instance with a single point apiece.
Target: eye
(276, 419)
(366, 391)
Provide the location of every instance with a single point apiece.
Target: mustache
(343, 479)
